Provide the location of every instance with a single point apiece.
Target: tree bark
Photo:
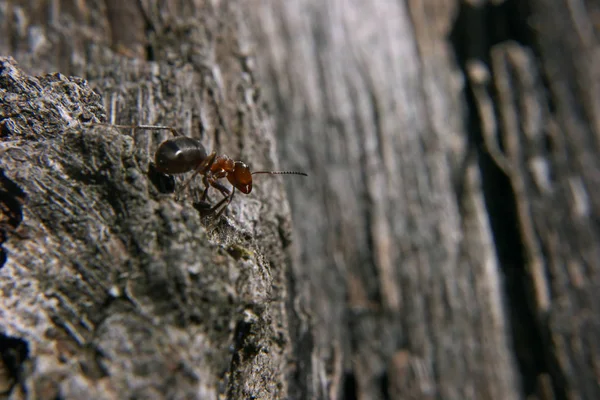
(112, 289)
(445, 244)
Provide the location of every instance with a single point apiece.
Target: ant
(182, 154)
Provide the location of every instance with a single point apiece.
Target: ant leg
(225, 192)
(216, 206)
(225, 202)
(206, 208)
(200, 169)
(206, 187)
(220, 187)
(204, 203)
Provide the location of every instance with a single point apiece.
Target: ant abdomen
(179, 155)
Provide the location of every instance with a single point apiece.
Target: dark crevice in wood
(526, 333)
(374, 291)
(93, 366)
(300, 328)
(350, 387)
(11, 213)
(13, 353)
(304, 350)
(150, 32)
(508, 21)
(384, 383)
(476, 31)
(244, 347)
(531, 332)
(369, 274)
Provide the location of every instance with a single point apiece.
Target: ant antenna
(280, 173)
(135, 127)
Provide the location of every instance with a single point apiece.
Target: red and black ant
(182, 154)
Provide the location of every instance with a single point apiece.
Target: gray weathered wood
(451, 233)
(371, 94)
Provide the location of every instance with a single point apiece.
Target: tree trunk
(111, 288)
(446, 242)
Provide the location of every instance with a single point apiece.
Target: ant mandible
(182, 154)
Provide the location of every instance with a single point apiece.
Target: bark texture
(447, 240)
(110, 288)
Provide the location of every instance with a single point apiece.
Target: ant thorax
(222, 164)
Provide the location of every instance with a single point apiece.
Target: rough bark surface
(110, 288)
(448, 236)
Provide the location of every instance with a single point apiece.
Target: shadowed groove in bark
(11, 214)
(498, 195)
(350, 387)
(477, 29)
(13, 353)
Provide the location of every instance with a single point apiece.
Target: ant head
(241, 177)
